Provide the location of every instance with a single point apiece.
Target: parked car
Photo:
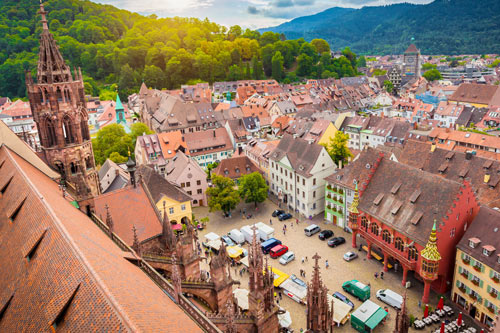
(325, 234)
(285, 216)
(348, 256)
(269, 244)
(336, 241)
(311, 230)
(278, 212)
(343, 298)
(287, 257)
(390, 297)
(227, 240)
(298, 281)
(278, 251)
(360, 290)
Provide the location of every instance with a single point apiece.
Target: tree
(110, 139)
(138, 129)
(305, 65)
(256, 69)
(253, 188)
(117, 158)
(361, 61)
(428, 66)
(432, 75)
(320, 45)
(222, 195)
(210, 167)
(154, 77)
(337, 148)
(277, 66)
(389, 87)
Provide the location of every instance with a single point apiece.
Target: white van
(236, 236)
(390, 297)
(311, 230)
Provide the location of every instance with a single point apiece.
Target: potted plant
(466, 261)
(491, 309)
(341, 191)
(493, 294)
(475, 282)
(477, 268)
(462, 288)
(329, 187)
(473, 296)
(495, 278)
(465, 275)
(329, 196)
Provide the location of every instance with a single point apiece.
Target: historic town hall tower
(59, 109)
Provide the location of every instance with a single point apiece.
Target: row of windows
(171, 209)
(188, 184)
(387, 237)
(288, 173)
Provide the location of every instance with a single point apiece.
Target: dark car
(278, 212)
(344, 299)
(285, 216)
(325, 234)
(336, 241)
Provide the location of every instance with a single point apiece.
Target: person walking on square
(271, 221)
(326, 264)
(382, 275)
(302, 259)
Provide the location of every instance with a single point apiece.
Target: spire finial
(44, 16)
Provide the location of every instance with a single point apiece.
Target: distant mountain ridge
(440, 27)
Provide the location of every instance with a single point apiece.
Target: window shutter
(463, 256)
(469, 276)
(481, 283)
(482, 269)
(498, 295)
(460, 269)
(488, 289)
(491, 273)
(472, 262)
(458, 284)
(467, 289)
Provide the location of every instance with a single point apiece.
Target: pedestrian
(419, 303)
(271, 221)
(382, 275)
(275, 294)
(376, 275)
(281, 296)
(306, 258)
(278, 301)
(208, 275)
(297, 221)
(326, 264)
(302, 259)
(241, 272)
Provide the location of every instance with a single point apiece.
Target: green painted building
(335, 205)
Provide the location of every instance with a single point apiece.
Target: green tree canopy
(277, 66)
(337, 148)
(388, 86)
(320, 45)
(222, 195)
(110, 139)
(253, 188)
(432, 75)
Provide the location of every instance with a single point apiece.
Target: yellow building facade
(476, 287)
(177, 212)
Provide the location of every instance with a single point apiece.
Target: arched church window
(74, 167)
(69, 136)
(374, 229)
(84, 127)
(50, 132)
(386, 236)
(398, 244)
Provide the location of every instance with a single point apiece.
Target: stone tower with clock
(58, 105)
(411, 61)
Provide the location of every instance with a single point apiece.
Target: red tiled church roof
(58, 266)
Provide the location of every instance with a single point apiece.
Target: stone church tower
(261, 286)
(59, 109)
(319, 312)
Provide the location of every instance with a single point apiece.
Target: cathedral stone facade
(58, 105)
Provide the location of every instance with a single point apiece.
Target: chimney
(433, 147)
(487, 178)
(214, 134)
(468, 155)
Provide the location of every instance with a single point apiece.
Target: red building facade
(395, 215)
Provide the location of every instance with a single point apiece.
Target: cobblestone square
(338, 271)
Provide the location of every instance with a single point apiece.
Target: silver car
(287, 257)
(350, 256)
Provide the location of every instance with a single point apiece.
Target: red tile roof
(71, 262)
(129, 206)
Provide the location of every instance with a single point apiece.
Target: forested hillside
(116, 46)
(441, 27)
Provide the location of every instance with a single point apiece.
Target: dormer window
(488, 250)
(474, 242)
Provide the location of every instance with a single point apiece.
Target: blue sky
(246, 13)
